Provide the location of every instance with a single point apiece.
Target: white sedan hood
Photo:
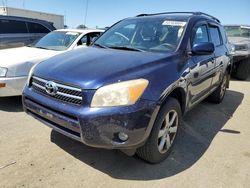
(20, 60)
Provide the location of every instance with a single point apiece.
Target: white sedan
(16, 63)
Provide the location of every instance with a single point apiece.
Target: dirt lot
(212, 150)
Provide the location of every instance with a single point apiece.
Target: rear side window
(224, 35)
(12, 26)
(37, 28)
(200, 34)
(215, 36)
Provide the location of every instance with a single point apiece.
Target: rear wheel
(218, 95)
(243, 70)
(163, 134)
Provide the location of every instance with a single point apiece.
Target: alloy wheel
(167, 131)
(223, 87)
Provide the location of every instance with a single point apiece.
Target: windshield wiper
(41, 47)
(99, 45)
(126, 48)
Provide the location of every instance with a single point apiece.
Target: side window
(88, 38)
(200, 34)
(215, 36)
(12, 26)
(94, 36)
(37, 28)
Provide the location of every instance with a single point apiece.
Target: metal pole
(86, 12)
(6, 6)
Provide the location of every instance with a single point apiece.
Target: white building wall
(58, 20)
(3, 11)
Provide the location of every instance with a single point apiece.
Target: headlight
(119, 94)
(241, 47)
(3, 71)
(30, 74)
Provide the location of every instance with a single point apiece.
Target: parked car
(16, 62)
(19, 31)
(239, 36)
(130, 89)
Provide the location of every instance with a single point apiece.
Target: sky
(104, 13)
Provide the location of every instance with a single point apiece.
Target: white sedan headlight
(119, 94)
(3, 71)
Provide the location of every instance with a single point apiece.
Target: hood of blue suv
(93, 67)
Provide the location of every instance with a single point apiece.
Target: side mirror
(203, 48)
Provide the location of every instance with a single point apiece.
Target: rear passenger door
(201, 66)
(220, 53)
(36, 31)
(13, 34)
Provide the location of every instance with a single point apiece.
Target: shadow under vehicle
(198, 130)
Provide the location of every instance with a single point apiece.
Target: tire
(161, 139)
(243, 70)
(218, 95)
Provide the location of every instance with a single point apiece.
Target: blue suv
(130, 89)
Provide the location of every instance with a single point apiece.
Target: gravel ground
(212, 150)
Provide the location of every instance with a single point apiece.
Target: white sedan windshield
(57, 40)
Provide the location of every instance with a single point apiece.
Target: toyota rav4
(130, 89)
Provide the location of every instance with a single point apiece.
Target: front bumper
(14, 86)
(96, 127)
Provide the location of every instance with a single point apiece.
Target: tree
(82, 26)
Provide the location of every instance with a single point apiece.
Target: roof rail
(208, 15)
(192, 13)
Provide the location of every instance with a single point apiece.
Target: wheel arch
(177, 93)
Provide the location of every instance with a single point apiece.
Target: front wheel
(163, 134)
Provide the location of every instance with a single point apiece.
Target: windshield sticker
(71, 33)
(174, 23)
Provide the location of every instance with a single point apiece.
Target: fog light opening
(123, 136)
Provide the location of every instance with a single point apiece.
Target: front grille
(64, 93)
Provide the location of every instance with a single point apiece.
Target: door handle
(196, 75)
(213, 60)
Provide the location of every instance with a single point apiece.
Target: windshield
(154, 35)
(238, 31)
(57, 40)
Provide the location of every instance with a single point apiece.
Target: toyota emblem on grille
(51, 88)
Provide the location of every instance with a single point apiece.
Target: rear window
(37, 28)
(215, 36)
(224, 35)
(11, 26)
